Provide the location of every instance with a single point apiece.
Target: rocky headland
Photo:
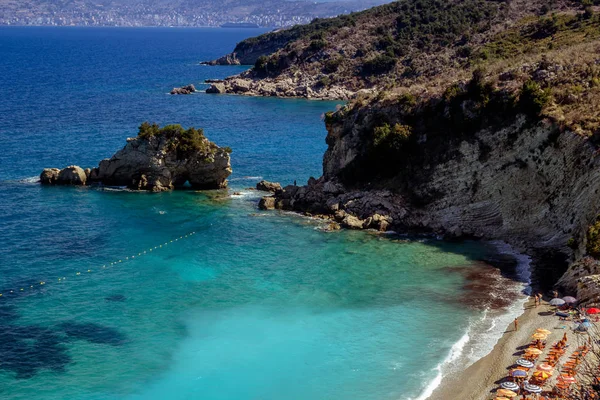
(467, 119)
(158, 159)
(492, 157)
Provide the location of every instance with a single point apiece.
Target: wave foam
(33, 179)
(455, 353)
(246, 178)
(483, 333)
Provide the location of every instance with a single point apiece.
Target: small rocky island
(189, 89)
(158, 159)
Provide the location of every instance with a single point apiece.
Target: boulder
(189, 89)
(267, 203)
(72, 175)
(216, 88)
(352, 222)
(267, 186)
(49, 176)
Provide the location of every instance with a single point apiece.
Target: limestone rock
(72, 175)
(189, 89)
(49, 176)
(163, 167)
(216, 88)
(267, 203)
(159, 162)
(352, 222)
(268, 186)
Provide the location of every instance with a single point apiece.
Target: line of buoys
(89, 271)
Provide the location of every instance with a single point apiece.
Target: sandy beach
(478, 380)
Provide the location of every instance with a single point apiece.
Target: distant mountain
(265, 13)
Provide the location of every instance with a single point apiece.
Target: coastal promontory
(158, 159)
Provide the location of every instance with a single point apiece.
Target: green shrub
(324, 81)
(593, 239)
(317, 45)
(378, 65)
(533, 98)
(148, 130)
(332, 64)
(185, 142)
(261, 64)
(386, 137)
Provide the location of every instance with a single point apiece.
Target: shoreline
(479, 379)
(484, 333)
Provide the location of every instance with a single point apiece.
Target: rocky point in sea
(189, 89)
(158, 159)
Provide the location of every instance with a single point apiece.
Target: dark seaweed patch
(93, 333)
(119, 298)
(24, 350)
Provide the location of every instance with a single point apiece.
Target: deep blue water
(105, 297)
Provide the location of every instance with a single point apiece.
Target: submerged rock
(189, 89)
(267, 203)
(157, 160)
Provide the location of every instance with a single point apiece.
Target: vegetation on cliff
(416, 42)
(185, 142)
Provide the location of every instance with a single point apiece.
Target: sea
(111, 294)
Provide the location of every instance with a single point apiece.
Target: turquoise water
(253, 305)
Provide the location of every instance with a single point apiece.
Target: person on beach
(536, 300)
(539, 299)
(554, 294)
(516, 324)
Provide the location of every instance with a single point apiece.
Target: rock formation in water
(158, 159)
(267, 186)
(189, 89)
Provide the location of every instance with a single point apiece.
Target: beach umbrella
(534, 351)
(593, 310)
(569, 299)
(509, 385)
(524, 363)
(518, 373)
(501, 398)
(557, 302)
(545, 367)
(506, 393)
(584, 326)
(542, 374)
(539, 335)
(567, 379)
(544, 331)
(532, 388)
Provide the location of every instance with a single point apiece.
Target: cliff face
(247, 52)
(528, 185)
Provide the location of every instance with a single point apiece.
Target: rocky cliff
(158, 159)
(493, 158)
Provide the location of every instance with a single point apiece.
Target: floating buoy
(105, 265)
